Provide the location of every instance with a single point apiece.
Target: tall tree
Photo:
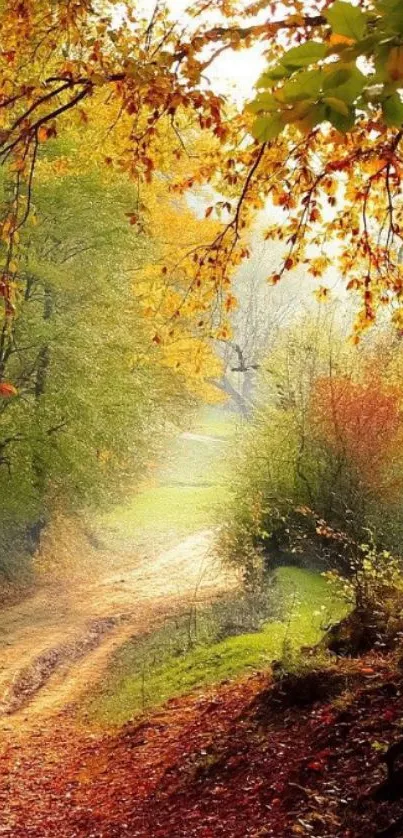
(94, 395)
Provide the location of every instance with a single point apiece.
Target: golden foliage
(134, 91)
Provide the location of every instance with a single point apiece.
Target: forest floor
(246, 758)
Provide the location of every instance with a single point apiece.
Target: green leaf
(317, 114)
(267, 128)
(392, 108)
(381, 57)
(299, 110)
(272, 74)
(340, 121)
(263, 102)
(345, 83)
(395, 22)
(388, 6)
(337, 77)
(366, 46)
(305, 85)
(393, 13)
(347, 20)
(307, 117)
(337, 105)
(304, 55)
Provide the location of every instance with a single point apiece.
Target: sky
(233, 73)
(236, 73)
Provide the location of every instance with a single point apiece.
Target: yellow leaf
(322, 294)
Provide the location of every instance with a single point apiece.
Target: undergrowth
(228, 639)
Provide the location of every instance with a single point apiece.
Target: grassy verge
(178, 659)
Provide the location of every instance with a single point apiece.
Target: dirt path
(53, 644)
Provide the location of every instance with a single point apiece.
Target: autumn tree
(322, 142)
(358, 423)
(94, 397)
(321, 470)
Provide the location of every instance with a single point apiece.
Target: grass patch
(176, 660)
(190, 487)
(196, 463)
(165, 510)
(215, 422)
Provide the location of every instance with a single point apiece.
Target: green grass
(190, 486)
(147, 673)
(165, 510)
(196, 462)
(215, 422)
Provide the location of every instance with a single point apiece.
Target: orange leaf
(7, 390)
(42, 134)
(335, 40)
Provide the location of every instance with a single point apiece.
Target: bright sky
(233, 73)
(236, 73)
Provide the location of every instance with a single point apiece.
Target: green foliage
(93, 399)
(374, 588)
(304, 55)
(323, 76)
(347, 20)
(392, 108)
(375, 583)
(301, 491)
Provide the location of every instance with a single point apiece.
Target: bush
(375, 589)
(321, 462)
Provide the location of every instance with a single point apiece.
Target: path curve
(57, 642)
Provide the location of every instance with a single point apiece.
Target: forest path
(57, 642)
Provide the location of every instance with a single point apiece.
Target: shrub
(321, 464)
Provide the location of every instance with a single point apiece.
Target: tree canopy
(321, 141)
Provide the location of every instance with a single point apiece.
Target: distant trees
(261, 313)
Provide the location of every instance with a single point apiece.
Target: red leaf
(315, 766)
